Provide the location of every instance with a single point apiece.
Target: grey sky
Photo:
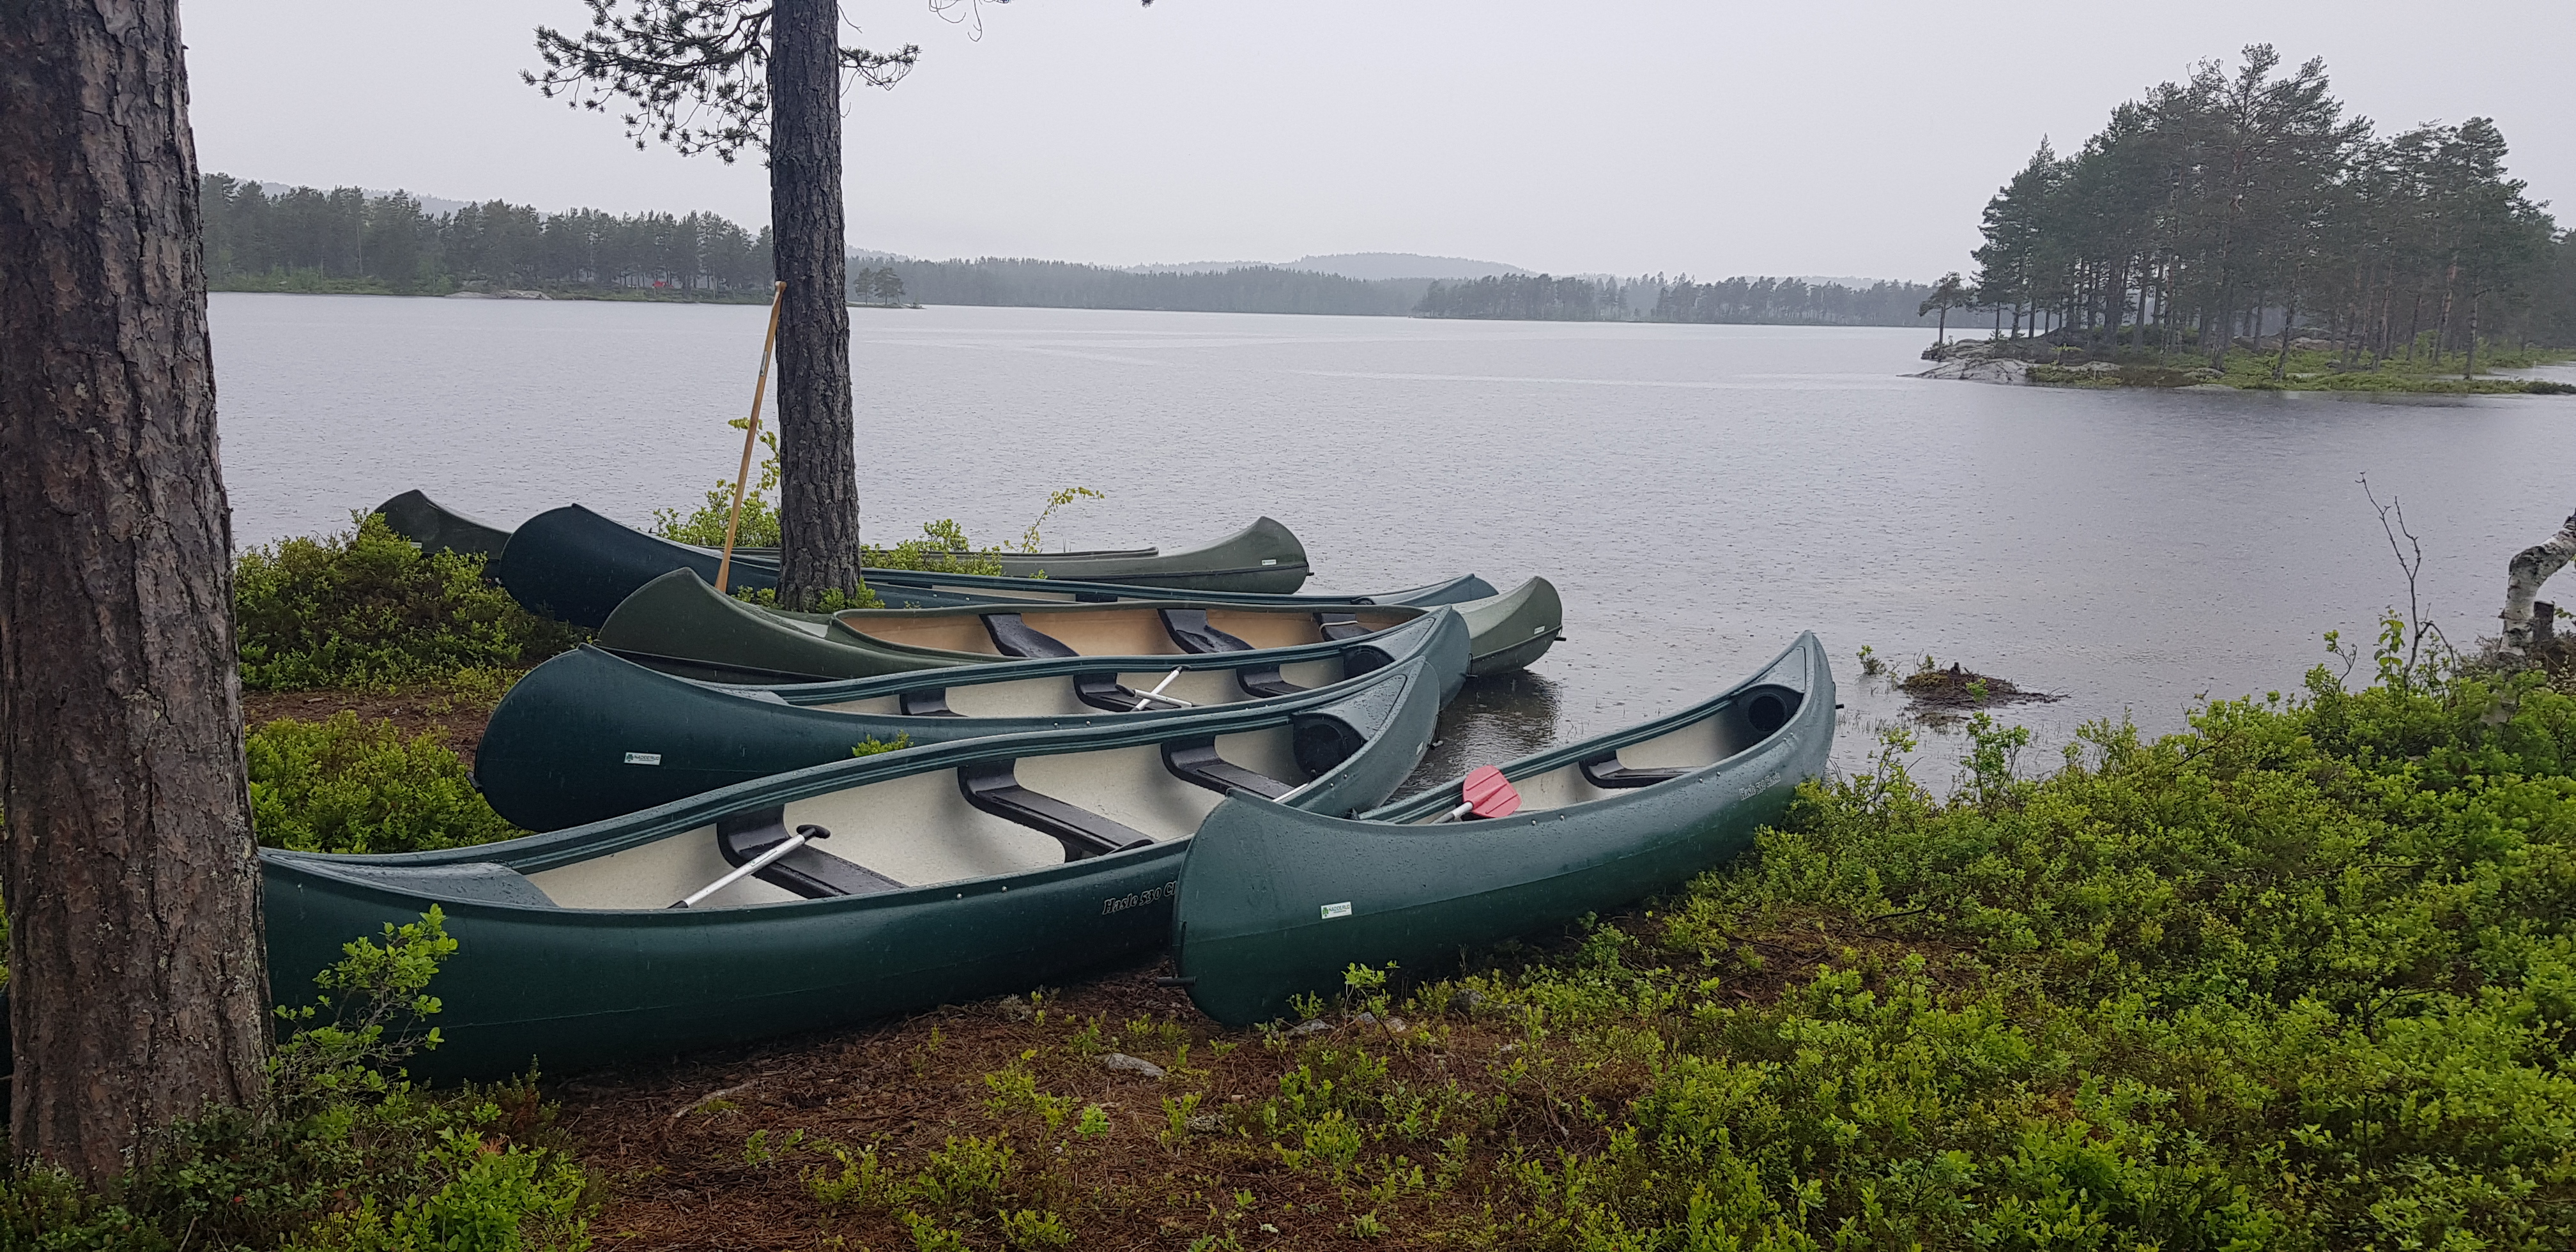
(1712, 137)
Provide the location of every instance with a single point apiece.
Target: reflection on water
(1493, 720)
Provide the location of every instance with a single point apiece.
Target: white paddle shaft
(753, 866)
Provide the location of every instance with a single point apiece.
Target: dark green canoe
(437, 528)
(587, 736)
(1275, 902)
(952, 871)
(575, 565)
(679, 625)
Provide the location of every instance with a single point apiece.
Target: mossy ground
(2305, 371)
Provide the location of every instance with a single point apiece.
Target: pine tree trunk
(818, 489)
(138, 987)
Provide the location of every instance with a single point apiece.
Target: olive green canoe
(950, 872)
(575, 565)
(588, 735)
(1275, 902)
(679, 625)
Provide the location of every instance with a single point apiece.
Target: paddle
(803, 835)
(750, 437)
(1157, 694)
(1486, 793)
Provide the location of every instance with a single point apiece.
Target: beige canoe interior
(918, 830)
(1105, 630)
(1054, 697)
(1692, 746)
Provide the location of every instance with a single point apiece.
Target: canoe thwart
(808, 871)
(1197, 762)
(1190, 632)
(993, 787)
(1609, 775)
(932, 702)
(1264, 682)
(1013, 637)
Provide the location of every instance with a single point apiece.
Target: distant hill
(1364, 266)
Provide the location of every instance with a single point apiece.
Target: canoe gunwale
(550, 849)
(1806, 647)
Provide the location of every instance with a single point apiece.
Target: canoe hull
(577, 566)
(437, 528)
(571, 988)
(1275, 903)
(587, 736)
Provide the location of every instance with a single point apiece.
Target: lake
(1700, 494)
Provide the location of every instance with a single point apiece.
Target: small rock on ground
(1133, 1064)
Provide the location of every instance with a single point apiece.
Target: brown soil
(1949, 690)
(460, 721)
(672, 1145)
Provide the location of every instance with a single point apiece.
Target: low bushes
(346, 785)
(366, 608)
(339, 1154)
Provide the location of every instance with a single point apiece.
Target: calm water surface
(1699, 493)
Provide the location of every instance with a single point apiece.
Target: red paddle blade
(1488, 794)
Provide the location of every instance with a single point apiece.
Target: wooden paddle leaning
(750, 437)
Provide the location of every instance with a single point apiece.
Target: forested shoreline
(346, 240)
(2217, 210)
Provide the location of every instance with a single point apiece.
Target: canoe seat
(1265, 682)
(1013, 637)
(1340, 626)
(808, 871)
(992, 787)
(1197, 762)
(1189, 628)
(931, 703)
(1104, 691)
(1607, 773)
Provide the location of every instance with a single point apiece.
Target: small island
(2239, 230)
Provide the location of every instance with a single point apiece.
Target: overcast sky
(1851, 138)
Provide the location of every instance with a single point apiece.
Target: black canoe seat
(1014, 637)
(1197, 762)
(1104, 691)
(992, 787)
(808, 871)
(1607, 773)
(1189, 628)
(931, 703)
(1264, 682)
(1340, 626)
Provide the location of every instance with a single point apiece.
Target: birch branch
(2529, 568)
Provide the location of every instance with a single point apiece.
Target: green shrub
(339, 1152)
(345, 785)
(366, 608)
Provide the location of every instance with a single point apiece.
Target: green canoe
(588, 736)
(952, 871)
(1275, 902)
(575, 565)
(437, 528)
(679, 625)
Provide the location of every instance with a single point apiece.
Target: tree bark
(2523, 576)
(136, 971)
(818, 496)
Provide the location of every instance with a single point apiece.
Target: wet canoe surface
(1275, 902)
(588, 736)
(679, 625)
(577, 566)
(547, 972)
(437, 528)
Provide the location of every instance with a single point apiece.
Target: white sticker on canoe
(1270, 560)
(643, 758)
(1332, 911)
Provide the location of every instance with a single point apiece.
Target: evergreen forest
(2218, 209)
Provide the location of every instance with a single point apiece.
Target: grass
(2301, 976)
(2312, 371)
